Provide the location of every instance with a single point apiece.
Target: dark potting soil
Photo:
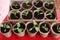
(40, 4)
(51, 6)
(42, 30)
(29, 16)
(15, 7)
(12, 16)
(31, 26)
(55, 28)
(40, 16)
(7, 29)
(22, 26)
(53, 15)
(27, 7)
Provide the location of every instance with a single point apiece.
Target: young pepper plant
(45, 27)
(58, 28)
(25, 13)
(35, 26)
(18, 28)
(48, 3)
(27, 3)
(50, 13)
(6, 26)
(36, 3)
(15, 5)
(14, 13)
(39, 11)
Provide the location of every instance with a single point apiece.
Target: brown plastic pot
(21, 34)
(29, 33)
(27, 15)
(47, 8)
(54, 34)
(9, 15)
(9, 33)
(28, 7)
(51, 19)
(39, 4)
(14, 3)
(38, 19)
(44, 34)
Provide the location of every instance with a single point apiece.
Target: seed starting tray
(21, 19)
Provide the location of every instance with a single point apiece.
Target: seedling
(38, 10)
(35, 26)
(48, 3)
(14, 13)
(6, 26)
(50, 13)
(25, 13)
(58, 28)
(45, 27)
(1, 25)
(27, 3)
(36, 3)
(18, 28)
(15, 5)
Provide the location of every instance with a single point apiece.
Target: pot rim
(52, 29)
(27, 29)
(15, 25)
(24, 11)
(42, 23)
(15, 2)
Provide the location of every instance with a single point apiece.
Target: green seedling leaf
(37, 29)
(58, 28)
(38, 10)
(1, 25)
(50, 13)
(34, 22)
(27, 3)
(36, 3)
(45, 28)
(6, 26)
(26, 13)
(20, 30)
(18, 25)
(14, 12)
(48, 3)
(4, 30)
(15, 5)
(31, 29)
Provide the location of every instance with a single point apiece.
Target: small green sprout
(48, 3)
(36, 28)
(36, 3)
(25, 13)
(14, 13)
(6, 26)
(38, 10)
(45, 27)
(1, 25)
(58, 28)
(15, 5)
(27, 3)
(18, 28)
(50, 13)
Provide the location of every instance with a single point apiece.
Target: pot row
(38, 14)
(32, 28)
(17, 5)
